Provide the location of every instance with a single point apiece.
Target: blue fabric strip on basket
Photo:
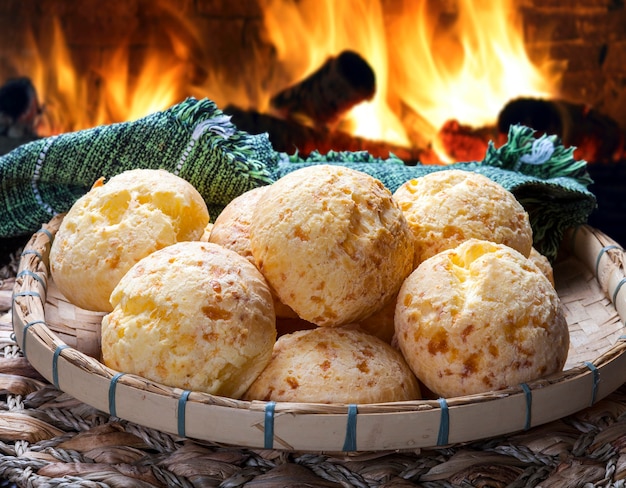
(47, 232)
(35, 276)
(618, 288)
(602, 252)
(528, 394)
(268, 440)
(596, 380)
(112, 388)
(28, 293)
(31, 251)
(26, 327)
(444, 423)
(350, 440)
(182, 410)
(55, 365)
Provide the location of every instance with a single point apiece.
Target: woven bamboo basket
(62, 344)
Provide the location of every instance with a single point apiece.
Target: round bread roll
(193, 315)
(543, 263)
(231, 229)
(447, 207)
(332, 243)
(117, 223)
(334, 365)
(480, 317)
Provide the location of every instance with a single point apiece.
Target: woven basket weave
(61, 343)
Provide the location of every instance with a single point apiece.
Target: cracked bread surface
(332, 242)
(193, 315)
(480, 317)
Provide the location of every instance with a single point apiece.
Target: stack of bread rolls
(322, 287)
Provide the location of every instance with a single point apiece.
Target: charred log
(290, 137)
(19, 108)
(597, 137)
(327, 94)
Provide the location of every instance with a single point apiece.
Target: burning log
(289, 136)
(464, 143)
(597, 137)
(327, 94)
(19, 108)
(418, 129)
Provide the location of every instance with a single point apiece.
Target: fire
(426, 72)
(74, 100)
(471, 68)
(431, 65)
(303, 44)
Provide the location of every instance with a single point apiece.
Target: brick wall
(588, 37)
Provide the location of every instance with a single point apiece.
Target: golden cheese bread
(447, 207)
(193, 315)
(543, 263)
(117, 223)
(231, 229)
(334, 365)
(332, 243)
(480, 317)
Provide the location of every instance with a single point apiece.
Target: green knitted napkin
(195, 140)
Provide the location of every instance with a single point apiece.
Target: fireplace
(100, 62)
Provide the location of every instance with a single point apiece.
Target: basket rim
(312, 426)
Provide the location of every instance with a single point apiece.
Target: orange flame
(428, 71)
(75, 100)
(431, 65)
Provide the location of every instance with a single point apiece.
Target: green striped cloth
(197, 141)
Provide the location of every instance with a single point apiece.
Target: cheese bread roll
(193, 315)
(480, 317)
(231, 229)
(332, 243)
(381, 323)
(334, 365)
(116, 224)
(447, 207)
(543, 263)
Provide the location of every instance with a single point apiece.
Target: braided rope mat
(50, 439)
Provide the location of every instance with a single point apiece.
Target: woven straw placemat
(50, 439)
